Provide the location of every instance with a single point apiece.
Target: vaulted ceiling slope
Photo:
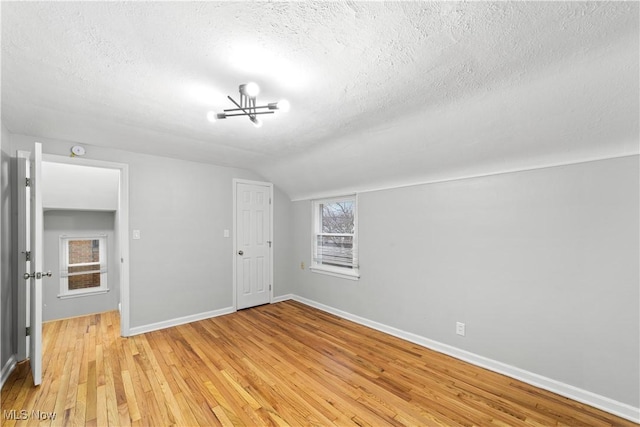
(382, 94)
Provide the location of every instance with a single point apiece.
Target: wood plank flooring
(275, 365)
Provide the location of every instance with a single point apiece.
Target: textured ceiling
(382, 93)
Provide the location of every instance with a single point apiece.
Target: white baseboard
(180, 321)
(584, 396)
(7, 369)
(282, 298)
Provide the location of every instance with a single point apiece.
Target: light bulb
(284, 105)
(256, 121)
(211, 116)
(251, 89)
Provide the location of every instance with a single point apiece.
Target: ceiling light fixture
(247, 106)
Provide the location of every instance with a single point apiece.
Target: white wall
(66, 186)
(542, 266)
(182, 265)
(78, 224)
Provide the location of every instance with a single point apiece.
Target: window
(83, 266)
(335, 237)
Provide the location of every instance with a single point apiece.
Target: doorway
(118, 203)
(67, 201)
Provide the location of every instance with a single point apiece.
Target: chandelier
(247, 106)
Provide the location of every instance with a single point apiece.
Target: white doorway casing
(252, 243)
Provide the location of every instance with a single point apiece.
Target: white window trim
(342, 272)
(64, 262)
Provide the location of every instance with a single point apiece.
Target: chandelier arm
(252, 114)
(241, 109)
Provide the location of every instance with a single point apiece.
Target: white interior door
(253, 243)
(34, 275)
(23, 192)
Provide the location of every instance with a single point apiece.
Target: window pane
(83, 251)
(335, 250)
(83, 268)
(337, 217)
(84, 281)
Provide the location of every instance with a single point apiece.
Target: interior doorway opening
(75, 195)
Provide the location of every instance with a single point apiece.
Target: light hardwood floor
(280, 364)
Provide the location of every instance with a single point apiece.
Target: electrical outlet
(136, 234)
(302, 265)
(460, 328)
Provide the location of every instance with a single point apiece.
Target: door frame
(234, 191)
(121, 227)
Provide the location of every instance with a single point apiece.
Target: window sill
(83, 294)
(337, 272)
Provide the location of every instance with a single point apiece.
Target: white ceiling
(382, 94)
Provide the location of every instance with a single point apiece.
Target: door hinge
(27, 182)
(269, 242)
(269, 287)
(27, 256)
(269, 200)
(28, 331)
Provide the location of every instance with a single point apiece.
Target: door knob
(240, 253)
(27, 276)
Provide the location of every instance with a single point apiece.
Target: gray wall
(182, 265)
(542, 266)
(8, 338)
(282, 244)
(77, 224)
